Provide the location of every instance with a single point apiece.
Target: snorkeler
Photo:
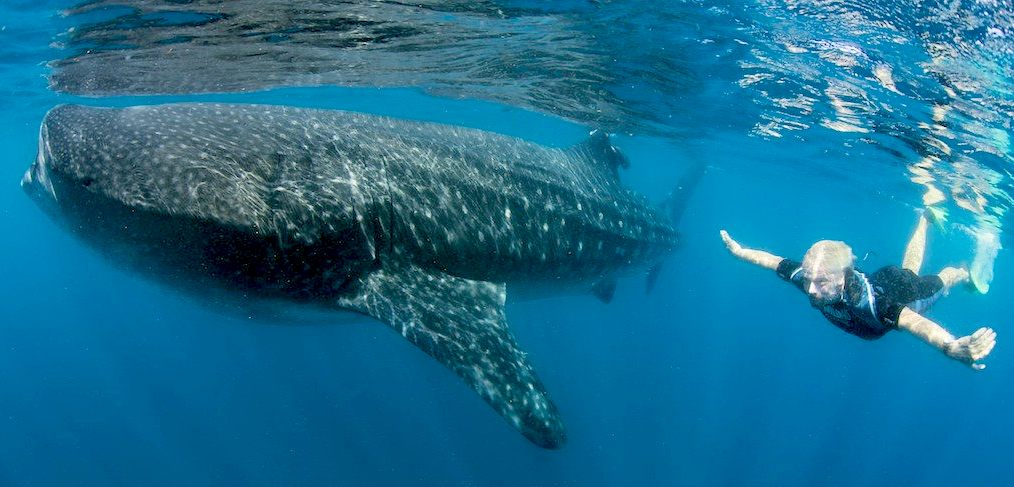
(869, 306)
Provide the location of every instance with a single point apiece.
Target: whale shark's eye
(86, 182)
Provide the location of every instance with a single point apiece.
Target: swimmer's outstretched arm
(967, 349)
(759, 257)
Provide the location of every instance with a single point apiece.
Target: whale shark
(424, 227)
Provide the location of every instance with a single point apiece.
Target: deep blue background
(722, 376)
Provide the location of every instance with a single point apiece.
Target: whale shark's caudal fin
(674, 206)
(461, 323)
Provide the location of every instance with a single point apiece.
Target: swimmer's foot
(935, 215)
(952, 276)
(987, 244)
(979, 283)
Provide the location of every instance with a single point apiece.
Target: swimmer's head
(824, 268)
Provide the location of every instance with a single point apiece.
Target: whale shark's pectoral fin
(461, 323)
(653, 273)
(604, 290)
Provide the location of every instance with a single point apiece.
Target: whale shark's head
(190, 161)
(210, 189)
(89, 151)
(68, 162)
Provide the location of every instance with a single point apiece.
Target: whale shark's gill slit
(386, 208)
(272, 197)
(289, 180)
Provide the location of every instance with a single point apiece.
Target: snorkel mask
(824, 268)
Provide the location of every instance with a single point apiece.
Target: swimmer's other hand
(972, 348)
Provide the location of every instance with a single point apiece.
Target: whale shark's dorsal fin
(461, 323)
(600, 150)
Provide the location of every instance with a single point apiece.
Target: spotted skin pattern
(422, 226)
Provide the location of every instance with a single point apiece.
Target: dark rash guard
(870, 305)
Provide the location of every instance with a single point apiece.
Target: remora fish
(422, 226)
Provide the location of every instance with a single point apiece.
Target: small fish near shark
(422, 226)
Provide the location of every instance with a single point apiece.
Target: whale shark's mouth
(36, 181)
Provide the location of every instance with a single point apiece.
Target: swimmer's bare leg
(953, 276)
(950, 276)
(916, 248)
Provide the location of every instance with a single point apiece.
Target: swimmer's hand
(731, 244)
(759, 257)
(972, 348)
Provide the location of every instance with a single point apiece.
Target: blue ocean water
(811, 127)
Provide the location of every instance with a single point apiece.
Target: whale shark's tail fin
(461, 323)
(675, 205)
(678, 199)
